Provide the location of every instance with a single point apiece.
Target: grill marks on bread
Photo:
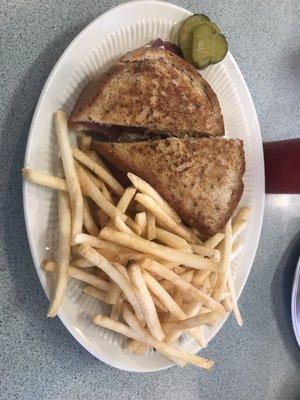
(153, 89)
(200, 178)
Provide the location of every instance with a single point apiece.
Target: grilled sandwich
(149, 90)
(200, 177)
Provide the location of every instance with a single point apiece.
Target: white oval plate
(295, 303)
(94, 50)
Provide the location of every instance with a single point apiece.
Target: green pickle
(185, 35)
(208, 46)
(209, 37)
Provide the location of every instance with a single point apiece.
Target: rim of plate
(295, 302)
(247, 99)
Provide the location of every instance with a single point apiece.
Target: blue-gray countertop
(39, 359)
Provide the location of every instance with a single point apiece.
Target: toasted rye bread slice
(200, 178)
(154, 90)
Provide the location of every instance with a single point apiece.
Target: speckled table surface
(39, 359)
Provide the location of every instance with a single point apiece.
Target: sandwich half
(201, 178)
(149, 90)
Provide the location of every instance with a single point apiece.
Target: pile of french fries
(161, 278)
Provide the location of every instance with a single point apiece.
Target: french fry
(146, 302)
(94, 156)
(204, 310)
(113, 294)
(186, 298)
(240, 222)
(213, 242)
(213, 280)
(85, 143)
(88, 278)
(178, 297)
(139, 244)
(130, 256)
(83, 238)
(54, 182)
(159, 305)
(122, 206)
(167, 264)
(96, 195)
(99, 170)
(98, 182)
(141, 220)
(116, 309)
(106, 192)
(206, 286)
(236, 249)
(227, 304)
(192, 310)
(235, 307)
(197, 294)
(133, 225)
(121, 226)
(145, 188)
(199, 277)
(63, 258)
(81, 263)
(243, 214)
(125, 200)
(172, 240)
(51, 266)
(169, 303)
(222, 278)
(187, 276)
(88, 222)
(162, 216)
(123, 270)
(238, 227)
(151, 229)
(113, 252)
(133, 323)
(192, 322)
(145, 338)
(189, 233)
(109, 255)
(205, 251)
(75, 194)
(93, 256)
(95, 292)
(42, 179)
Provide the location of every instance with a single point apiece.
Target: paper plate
(93, 51)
